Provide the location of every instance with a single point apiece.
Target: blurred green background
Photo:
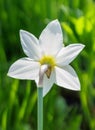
(63, 109)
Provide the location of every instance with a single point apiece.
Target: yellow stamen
(50, 61)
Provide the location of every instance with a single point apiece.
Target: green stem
(40, 108)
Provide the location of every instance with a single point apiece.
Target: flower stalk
(40, 108)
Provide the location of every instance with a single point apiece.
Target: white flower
(47, 60)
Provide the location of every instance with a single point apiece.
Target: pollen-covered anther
(48, 72)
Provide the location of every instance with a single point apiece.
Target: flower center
(50, 61)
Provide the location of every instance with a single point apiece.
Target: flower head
(47, 60)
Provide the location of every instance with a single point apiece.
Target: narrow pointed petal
(24, 69)
(51, 39)
(30, 45)
(68, 54)
(48, 83)
(66, 77)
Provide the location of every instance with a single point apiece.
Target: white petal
(51, 38)
(30, 45)
(66, 77)
(68, 54)
(48, 83)
(24, 69)
(42, 71)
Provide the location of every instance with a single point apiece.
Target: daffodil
(48, 60)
